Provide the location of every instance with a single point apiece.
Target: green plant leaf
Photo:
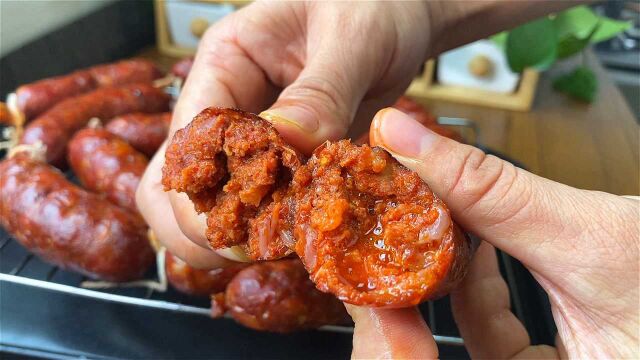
(532, 44)
(570, 44)
(581, 84)
(500, 39)
(579, 21)
(609, 28)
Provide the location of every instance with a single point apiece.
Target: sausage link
(278, 296)
(145, 132)
(55, 127)
(371, 232)
(197, 282)
(108, 165)
(35, 98)
(235, 166)
(5, 115)
(69, 226)
(182, 68)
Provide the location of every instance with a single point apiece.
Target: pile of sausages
(349, 221)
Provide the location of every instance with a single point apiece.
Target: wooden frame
(163, 35)
(426, 87)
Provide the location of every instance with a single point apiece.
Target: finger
(482, 310)
(514, 209)
(222, 75)
(391, 334)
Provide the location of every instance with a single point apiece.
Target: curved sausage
(278, 296)
(145, 132)
(182, 68)
(35, 98)
(371, 232)
(197, 282)
(68, 226)
(106, 164)
(422, 115)
(55, 127)
(235, 166)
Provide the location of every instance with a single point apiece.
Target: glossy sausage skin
(35, 98)
(106, 164)
(278, 296)
(421, 115)
(145, 132)
(55, 127)
(182, 68)
(69, 226)
(371, 232)
(234, 166)
(197, 282)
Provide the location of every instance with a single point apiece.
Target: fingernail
(399, 133)
(292, 116)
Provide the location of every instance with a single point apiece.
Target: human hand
(321, 64)
(582, 246)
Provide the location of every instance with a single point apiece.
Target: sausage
(371, 232)
(106, 164)
(5, 115)
(421, 115)
(182, 68)
(68, 226)
(55, 127)
(234, 166)
(35, 98)
(145, 132)
(197, 282)
(278, 296)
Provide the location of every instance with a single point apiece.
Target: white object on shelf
(187, 20)
(488, 62)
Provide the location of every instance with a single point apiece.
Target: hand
(321, 64)
(582, 246)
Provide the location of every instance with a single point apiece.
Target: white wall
(24, 20)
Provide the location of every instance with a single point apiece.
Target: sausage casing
(35, 98)
(55, 127)
(69, 226)
(106, 164)
(182, 68)
(145, 132)
(278, 296)
(197, 282)
(371, 232)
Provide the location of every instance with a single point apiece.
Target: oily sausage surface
(35, 98)
(55, 127)
(145, 132)
(69, 226)
(106, 164)
(234, 166)
(371, 232)
(278, 296)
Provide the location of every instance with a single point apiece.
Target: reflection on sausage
(278, 296)
(145, 132)
(69, 226)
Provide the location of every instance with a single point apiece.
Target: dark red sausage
(145, 132)
(55, 127)
(35, 98)
(69, 226)
(198, 282)
(108, 165)
(278, 296)
(182, 68)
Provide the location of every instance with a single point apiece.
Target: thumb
(391, 334)
(319, 105)
(509, 207)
